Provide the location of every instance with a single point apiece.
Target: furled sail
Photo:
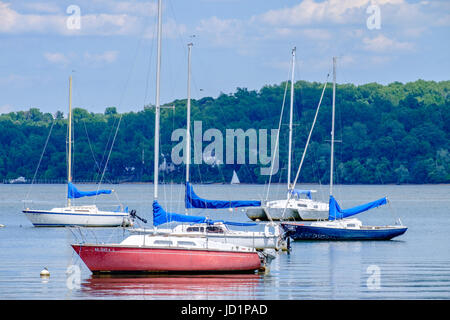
(73, 192)
(194, 201)
(160, 216)
(335, 211)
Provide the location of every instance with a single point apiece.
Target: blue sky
(244, 43)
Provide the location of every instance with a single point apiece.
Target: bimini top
(160, 216)
(335, 211)
(73, 192)
(194, 201)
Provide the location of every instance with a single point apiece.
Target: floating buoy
(45, 273)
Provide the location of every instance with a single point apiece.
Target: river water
(415, 265)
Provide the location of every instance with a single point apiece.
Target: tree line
(395, 133)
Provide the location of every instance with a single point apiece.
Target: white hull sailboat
(295, 207)
(219, 232)
(82, 216)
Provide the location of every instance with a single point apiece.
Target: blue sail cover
(73, 192)
(160, 216)
(194, 201)
(335, 211)
(298, 192)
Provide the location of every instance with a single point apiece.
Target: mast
(332, 127)
(188, 126)
(69, 162)
(157, 105)
(290, 120)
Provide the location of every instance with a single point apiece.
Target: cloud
(98, 18)
(222, 32)
(101, 58)
(56, 58)
(381, 43)
(87, 58)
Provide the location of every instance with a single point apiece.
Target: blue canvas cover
(194, 201)
(73, 192)
(299, 192)
(160, 216)
(335, 211)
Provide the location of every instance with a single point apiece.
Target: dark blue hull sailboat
(308, 232)
(339, 227)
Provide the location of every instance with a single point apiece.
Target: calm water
(415, 266)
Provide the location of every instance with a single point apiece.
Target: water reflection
(233, 286)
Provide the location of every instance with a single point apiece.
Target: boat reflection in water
(230, 286)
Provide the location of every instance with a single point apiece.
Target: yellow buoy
(45, 273)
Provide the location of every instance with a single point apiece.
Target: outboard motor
(133, 215)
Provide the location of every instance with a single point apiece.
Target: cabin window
(163, 242)
(186, 243)
(214, 229)
(195, 229)
(300, 205)
(351, 225)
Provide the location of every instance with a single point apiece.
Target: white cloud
(100, 18)
(56, 58)
(42, 7)
(381, 43)
(222, 32)
(87, 58)
(105, 57)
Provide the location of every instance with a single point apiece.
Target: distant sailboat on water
(235, 179)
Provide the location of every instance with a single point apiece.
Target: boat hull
(42, 218)
(305, 232)
(134, 259)
(260, 214)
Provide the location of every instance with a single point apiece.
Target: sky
(109, 47)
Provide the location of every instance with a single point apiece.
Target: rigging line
(278, 136)
(120, 117)
(106, 147)
(306, 147)
(40, 159)
(90, 147)
(109, 155)
(149, 61)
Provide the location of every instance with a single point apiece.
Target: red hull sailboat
(153, 253)
(157, 254)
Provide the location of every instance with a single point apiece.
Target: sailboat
(235, 178)
(299, 204)
(85, 215)
(167, 253)
(339, 226)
